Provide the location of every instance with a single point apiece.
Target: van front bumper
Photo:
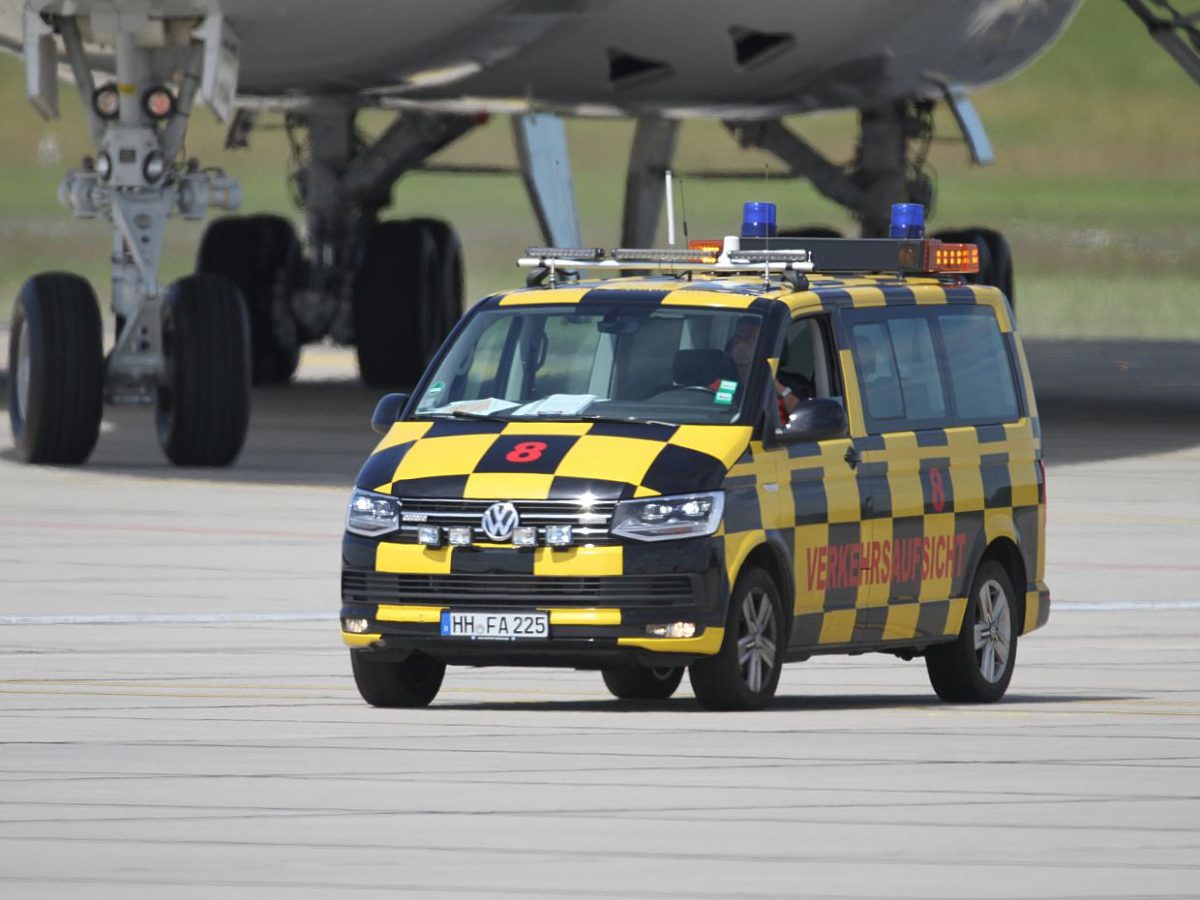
(595, 621)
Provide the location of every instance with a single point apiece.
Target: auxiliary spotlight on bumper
(672, 630)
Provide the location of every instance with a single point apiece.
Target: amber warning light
(709, 248)
(951, 258)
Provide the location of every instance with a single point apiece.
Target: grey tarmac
(177, 715)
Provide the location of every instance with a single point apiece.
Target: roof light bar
(766, 256)
(572, 253)
(629, 254)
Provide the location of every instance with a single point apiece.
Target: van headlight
(372, 514)
(669, 518)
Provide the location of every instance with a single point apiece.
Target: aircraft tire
(56, 370)
(203, 407)
(413, 682)
(995, 257)
(810, 231)
(640, 683)
(448, 284)
(256, 253)
(407, 295)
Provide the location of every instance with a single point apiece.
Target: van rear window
(979, 367)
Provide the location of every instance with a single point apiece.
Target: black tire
(450, 282)
(995, 257)
(56, 370)
(643, 683)
(810, 231)
(722, 682)
(203, 405)
(260, 255)
(411, 683)
(958, 670)
(407, 296)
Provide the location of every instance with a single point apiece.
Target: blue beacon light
(758, 220)
(908, 221)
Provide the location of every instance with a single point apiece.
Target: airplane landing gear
(185, 353)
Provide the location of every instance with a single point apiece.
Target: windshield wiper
(463, 414)
(623, 420)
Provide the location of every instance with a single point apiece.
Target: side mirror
(387, 410)
(815, 420)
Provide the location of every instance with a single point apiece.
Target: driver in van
(740, 349)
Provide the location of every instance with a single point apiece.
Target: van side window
(898, 368)
(979, 367)
(877, 371)
(932, 368)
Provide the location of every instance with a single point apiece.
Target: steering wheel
(683, 389)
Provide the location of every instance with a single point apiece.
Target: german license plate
(496, 626)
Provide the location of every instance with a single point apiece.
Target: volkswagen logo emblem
(499, 520)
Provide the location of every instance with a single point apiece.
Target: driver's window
(805, 361)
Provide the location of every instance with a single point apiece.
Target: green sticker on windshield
(725, 391)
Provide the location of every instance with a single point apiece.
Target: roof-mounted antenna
(683, 211)
(670, 210)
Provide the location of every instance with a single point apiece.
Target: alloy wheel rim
(993, 631)
(757, 640)
(24, 372)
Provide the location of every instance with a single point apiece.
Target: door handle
(851, 457)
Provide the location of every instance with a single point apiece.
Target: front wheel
(639, 683)
(413, 682)
(745, 671)
(203, 403)
(56, 370)
(978, 665)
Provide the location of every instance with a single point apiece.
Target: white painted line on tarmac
(1120, 605)
(172, 618)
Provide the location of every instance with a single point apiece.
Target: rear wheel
(203, 406)
(56, 370)
(407, 297)
(638, 683)
(978, 665)
(259, 254)
(411, 683)
(745, 671)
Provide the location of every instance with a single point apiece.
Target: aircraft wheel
(744, 673)
(407, 295)
(995, 257)
(638, 683)
(811, 231)
(447, 284)
(56, 370)
(259, 254)
(413, 682)
(204, 396)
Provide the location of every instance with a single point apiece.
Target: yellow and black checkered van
(713, 472)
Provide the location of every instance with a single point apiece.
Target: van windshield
(633, 362)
